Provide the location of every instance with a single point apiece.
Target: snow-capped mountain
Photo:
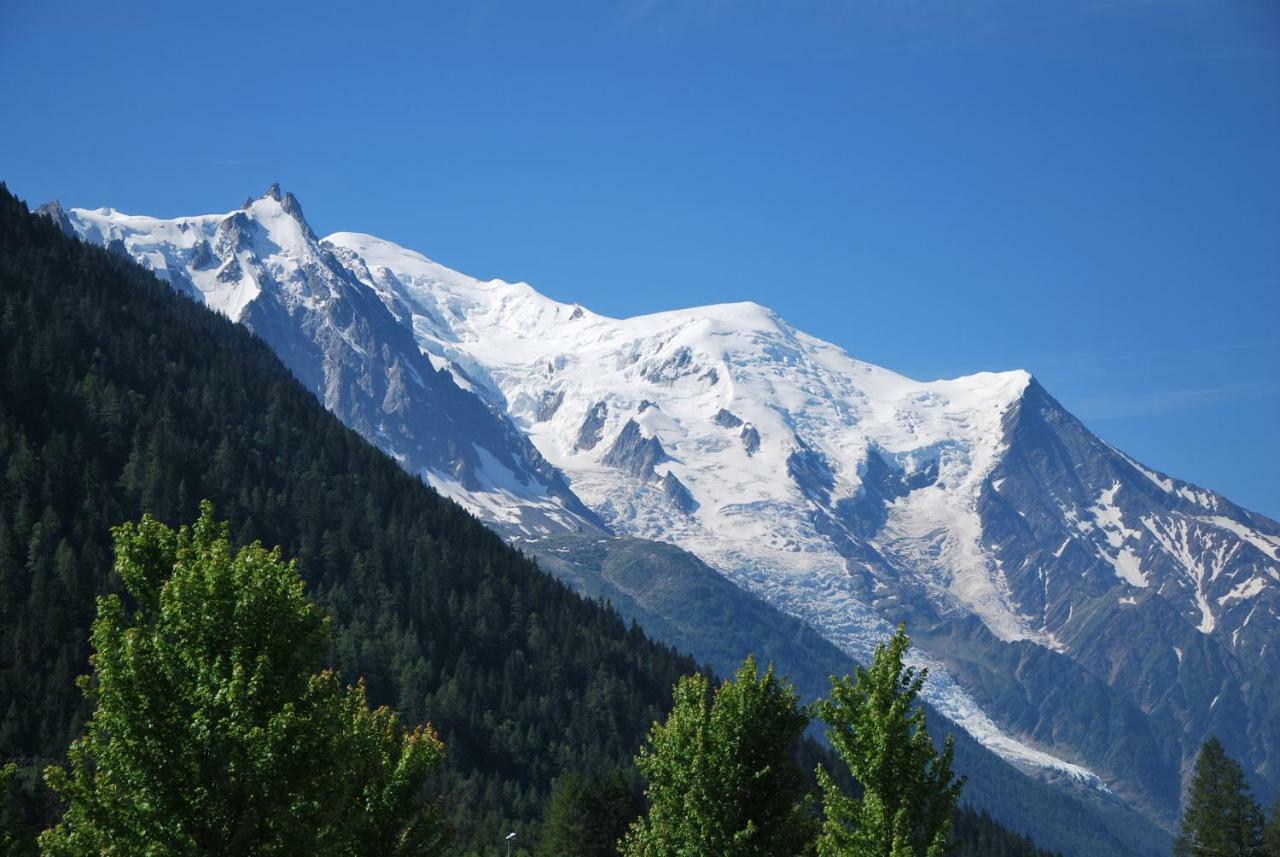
(263, 266)
(1083, 614)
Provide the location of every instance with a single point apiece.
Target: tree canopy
(1221, 819)
(720, 780)
(909, 793)
(213, 728)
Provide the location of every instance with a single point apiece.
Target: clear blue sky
(1089, 190)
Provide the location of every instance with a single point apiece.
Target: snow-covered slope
(263, 266)
(852, 497)
(768, 431)
(1082, 614)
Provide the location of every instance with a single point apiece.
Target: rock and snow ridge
(843, 493)
(263, 266)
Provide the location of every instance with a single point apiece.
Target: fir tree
(212, 730)
(1271, 832)
(586, 817)
(1222, 819)
(909, 794)
(720, 780)
(15, 838)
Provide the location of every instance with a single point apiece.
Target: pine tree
(1222, 819)
(586, 817)
(909, 794)
(14, 838)
(212, 731)
(1271, 832)
(720, 780)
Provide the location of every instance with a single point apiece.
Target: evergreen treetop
(1221, 819)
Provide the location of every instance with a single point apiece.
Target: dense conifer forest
(118, 397)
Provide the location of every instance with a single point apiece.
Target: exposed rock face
(53, 211)
(1160, 594)
(635, 453)
(675, 490)
(750, 439)
(726, 419)
(551, 402)
(812, 473)
(592, 426)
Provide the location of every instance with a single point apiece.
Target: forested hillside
(118, 397)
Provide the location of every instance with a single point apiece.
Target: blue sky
(1088, 190)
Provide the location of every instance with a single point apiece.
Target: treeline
(118, 397)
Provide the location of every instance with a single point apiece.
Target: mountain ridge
(845, 494)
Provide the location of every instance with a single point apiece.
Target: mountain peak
(55, 212)
(293, 207)
(289, 204)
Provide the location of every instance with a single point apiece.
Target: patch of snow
(1243, 591)
(1268, 544)
(1129, 568)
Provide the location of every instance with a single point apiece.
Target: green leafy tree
(720, 780)
(1222, 819)
(213, 730)
(909, 793)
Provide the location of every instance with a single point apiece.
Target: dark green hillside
(119, 397)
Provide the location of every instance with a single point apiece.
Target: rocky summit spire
(55, 212)
(290, 204)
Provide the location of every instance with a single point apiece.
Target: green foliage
(978, 834)
(1271, 832)
(213, 730)
(16, 835)
(720, 780)
(1222, 819)
(8, 836)
(908, 791)
(585, 817)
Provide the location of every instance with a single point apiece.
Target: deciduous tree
(214, 730)
(909, 792)
(720, 780)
